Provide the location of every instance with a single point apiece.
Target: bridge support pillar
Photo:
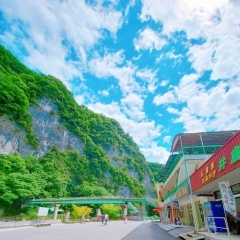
(124, 210)
(56, 211)
(67, 214)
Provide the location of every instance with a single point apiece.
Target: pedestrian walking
(83, 219)
(106, 219)
(103, 219)
(125, 219)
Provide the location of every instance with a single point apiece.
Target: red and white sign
(225, 160)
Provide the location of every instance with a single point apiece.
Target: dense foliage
(113, 211)
(78, 212)
(156, 170)
(66, 173)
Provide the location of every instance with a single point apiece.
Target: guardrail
(176, 189)
(11, 224)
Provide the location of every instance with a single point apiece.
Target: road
(115, 230)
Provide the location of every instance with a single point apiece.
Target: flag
(228, 199)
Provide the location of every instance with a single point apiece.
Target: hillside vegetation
(63, 173)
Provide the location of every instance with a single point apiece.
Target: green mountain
(52, 147)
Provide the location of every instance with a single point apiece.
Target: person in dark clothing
(177, 221)
(103, 219)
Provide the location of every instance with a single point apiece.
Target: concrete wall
(26, 223)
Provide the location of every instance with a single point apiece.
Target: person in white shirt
(125, 219)
(106, 219)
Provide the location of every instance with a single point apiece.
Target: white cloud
(132, 106)
(131, 4)
(167, 139)
(173, 110)
(52, 26)
(105, 93)
(155, 153)
(149, 39)
(217, 108)
(112, 65)
(149, 76)
(108, 65)
(216, 22)
(164, 83)
(79, 99)
(166, 98)
(187, 87)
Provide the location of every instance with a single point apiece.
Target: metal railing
(215, 227)
(177, 188)
(197, 150)
(173, 165)
(191, 150)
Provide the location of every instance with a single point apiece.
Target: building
(188, 152)
(223, 166)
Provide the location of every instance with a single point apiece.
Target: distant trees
(16, 182)
(114, 211)
(156, 169)
(78, 212)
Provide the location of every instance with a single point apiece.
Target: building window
(182, 211)
(236, 189)
(217, 194)
(189, 207)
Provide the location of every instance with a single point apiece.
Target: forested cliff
(52, 147)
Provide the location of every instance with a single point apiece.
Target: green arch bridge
(89, 200)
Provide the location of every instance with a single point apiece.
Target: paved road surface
(115, 230)
(149, 231)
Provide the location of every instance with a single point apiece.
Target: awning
(59, 210)
(156, 209)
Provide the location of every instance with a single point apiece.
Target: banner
(228, 199)
(178, 207)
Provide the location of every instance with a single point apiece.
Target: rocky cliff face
(48, 128)
(51, 132)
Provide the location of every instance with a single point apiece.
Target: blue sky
(158, 67)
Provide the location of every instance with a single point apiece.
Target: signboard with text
(42, 212)
(225, 160)
(182, 192)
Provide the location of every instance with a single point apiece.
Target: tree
(156, 169)
(78, 212)
(18, 186)
(114, 211)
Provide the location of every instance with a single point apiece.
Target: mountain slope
(39, 117)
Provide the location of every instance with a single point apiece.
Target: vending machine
(215, 209)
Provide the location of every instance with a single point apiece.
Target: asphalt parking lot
(115, 230)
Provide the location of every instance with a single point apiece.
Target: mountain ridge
(40, 119)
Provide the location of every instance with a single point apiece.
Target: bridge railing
(78, 198)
